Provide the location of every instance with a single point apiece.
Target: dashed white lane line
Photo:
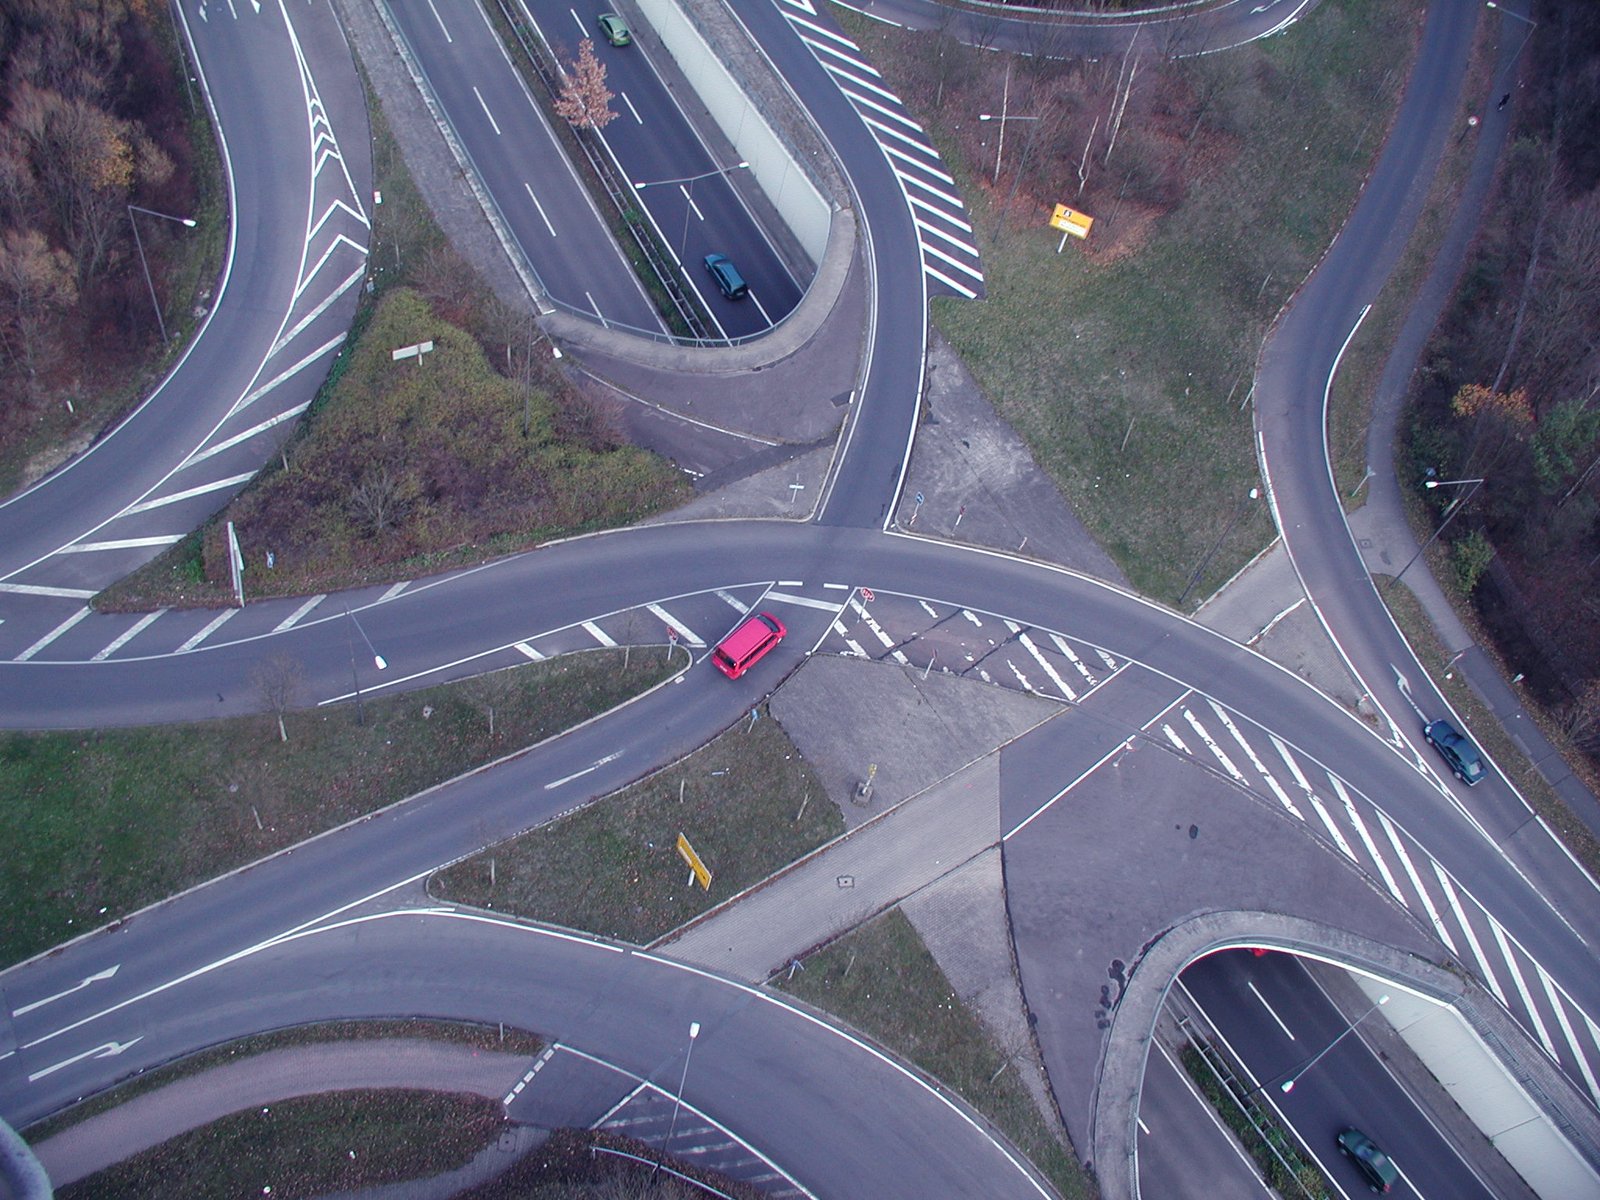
(1416, 882)
(598, 634)
(732, 601)
(1528, 1005)
(53, 634)
(538, 1065)
(1028, 645)
(1367, 840)
(215, 624)
(1468, 932)
(1222, 757)
(293, 618)
(138, 627)
(672, 622)
(1270, 1010)
(530, 652)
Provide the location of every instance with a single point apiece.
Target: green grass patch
(103, 823)
(1274, 1152)
(1127, 371)
(500, 1039)
(307, 1147)
(882, 980)
(746, 802)
(1482, 725)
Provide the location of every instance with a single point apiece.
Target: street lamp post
(145, 263)
(1005, 104)
(1287, 1085)
(1205, 562)
(1528, 21)
(686, 186)
(377, 660)
(1449, 516)
(672, 1127)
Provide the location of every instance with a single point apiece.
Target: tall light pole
(1005, 115)
(686, 186)
(377, 660)
(145, 263)
(1528, 21)
(1287, 1085)
(694, 1032)
(1205, 562)
(1455, 507)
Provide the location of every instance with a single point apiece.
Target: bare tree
(377, 500)
(585, 101)
(492, 691)
(36, 285)
(277, 681)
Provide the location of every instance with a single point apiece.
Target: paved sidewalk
(266, 1079)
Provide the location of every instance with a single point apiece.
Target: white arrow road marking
(109, 1050)
(97, 977)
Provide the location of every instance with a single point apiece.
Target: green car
(1461, 755)
(615, 30)
(1372, 1162)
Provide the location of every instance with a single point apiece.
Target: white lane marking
(943, 212)
(527, 187)
(530, 652)
(394, 590)
(109, 1050)
(824, 32)
(53, 634)
(1027, 644)
(1366, 839)
(1029, 819)
(168, 539)
(288, 372)
(598, 634)
(215, 624)
(1255, 760)
(941, 277)
(1111, 663)
(791, 583)
(87, 980)
(732, 601)
(1328, 822)
(1021, 678)
(1271, 1012)
(226, 444)
(55, 593)
(805, 602)
(866, 617)
(1142, 1126)
(1172, 736)
(553, 784)
(138, 627)
(495, 125)
(968, 614)
(688, 635)
(332, 297)
(1416, 882)
(1078, 664)
(918, 163)
(954, 263)
(906, 139)
(631, 108)
(1467, 930)
(929, 609)
(1522, 989)
(836, 587)
(538, 1065)
(438, 18)
(1566, 1028)
(1222, 757)
(294, 618)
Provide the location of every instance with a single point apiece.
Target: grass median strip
(747, 804)
(882, 980)
(102, 823)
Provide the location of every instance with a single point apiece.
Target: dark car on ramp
(1372, 1162)
(1459, 754)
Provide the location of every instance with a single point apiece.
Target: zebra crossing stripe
(947, 236)
(903, 137)
(119, 642)
(888, 113)
(1194, 723)
(688, 635)
(839, 73)
(866, 617)
(598, 634)
(1522, 989)
(823, 31)
(934, 210)
(1021, 678)
(940, 277)
(1172, 736)
(1027, 644)
(1468, 932)
(732, 601)
(1566, 1029)
(1328, 822)
(293, 618)
(919, 164)
(1366, 839)
(212, 627)
(1255, 760)
(530, 652)
(1416, 882)
(1066, 652)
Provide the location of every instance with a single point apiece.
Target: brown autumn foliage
(1510, 389)
(585, 101)
(92, 119)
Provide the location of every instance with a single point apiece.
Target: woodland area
(93, 119)
(1510, 390)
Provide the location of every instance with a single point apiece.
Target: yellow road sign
(1070, 220)
(701, 874)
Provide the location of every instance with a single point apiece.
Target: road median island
(106, 822)
(746, 804)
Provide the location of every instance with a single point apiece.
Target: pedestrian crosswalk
(950, 259)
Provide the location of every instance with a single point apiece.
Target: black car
(1458, 753)
(1372, 1162)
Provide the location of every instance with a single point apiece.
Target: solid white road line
(1272, 1012)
